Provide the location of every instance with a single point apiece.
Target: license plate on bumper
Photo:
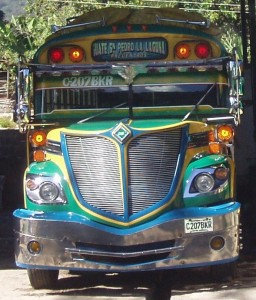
(198, 225)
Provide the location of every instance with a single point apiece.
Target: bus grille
(96, 168)
(152, 165)
(95, 165)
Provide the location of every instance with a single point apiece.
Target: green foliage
(17, 39)
(22, 35)
(6, 122)
(225, 15)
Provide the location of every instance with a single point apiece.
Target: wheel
(161, 289)
(160, 292)
(224, 272)
(43, 279)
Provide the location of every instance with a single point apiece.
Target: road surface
(192, 285)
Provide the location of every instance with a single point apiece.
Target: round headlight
(204, 183)
(48, 191)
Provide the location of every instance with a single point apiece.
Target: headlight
(48, 191)
(45, 189)
(204, 182)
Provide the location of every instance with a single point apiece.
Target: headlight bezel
(220, 182)
(34, 185)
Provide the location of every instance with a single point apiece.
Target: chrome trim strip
(53, 147)
(122, 254)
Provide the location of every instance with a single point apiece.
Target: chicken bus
(130, 117)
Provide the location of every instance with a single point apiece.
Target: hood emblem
(121, 133)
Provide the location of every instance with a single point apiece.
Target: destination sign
(129, 49)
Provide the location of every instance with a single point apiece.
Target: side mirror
(235, 87)
(22, 111)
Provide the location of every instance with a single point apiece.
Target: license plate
(198, 225)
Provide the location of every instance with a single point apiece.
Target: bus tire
(43, 279)
(160, 291)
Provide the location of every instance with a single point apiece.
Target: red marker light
(129, 27)
(203, 50)
(144, 27)
(56, 55)
(114, 28)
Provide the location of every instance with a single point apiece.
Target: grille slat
(151, 160)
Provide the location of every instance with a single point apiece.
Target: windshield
(48, 100)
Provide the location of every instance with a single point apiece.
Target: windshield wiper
(101, 113)
(198, 103)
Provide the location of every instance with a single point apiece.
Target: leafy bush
(6, 122)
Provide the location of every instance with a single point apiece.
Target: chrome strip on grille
(53, 147)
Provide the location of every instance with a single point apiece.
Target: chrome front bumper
(70, 241)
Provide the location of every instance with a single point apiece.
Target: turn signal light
(182, 51)
(76, 54)
(31, 185)
(202, 50)
(214, 147)
(39, 155)
(56, 55)
(211, 136)
(38, 138)
(221, 173)
(225, 133)
(217, 243)
(34, 247)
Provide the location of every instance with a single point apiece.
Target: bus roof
(162, 16)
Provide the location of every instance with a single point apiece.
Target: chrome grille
(151, 161)
(94, 162)
(152, 165)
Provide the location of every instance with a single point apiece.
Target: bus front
(130, 150)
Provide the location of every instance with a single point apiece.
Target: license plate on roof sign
(198, 225)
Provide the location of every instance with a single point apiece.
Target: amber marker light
(31, 185)
(217, 243)
(211, 137)
(34, 247)
(39, 155)
(225, 133)
(214, 147)
(182, 51)
(38, 138)
(56, 55)
(76, 54)
(221, 173)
